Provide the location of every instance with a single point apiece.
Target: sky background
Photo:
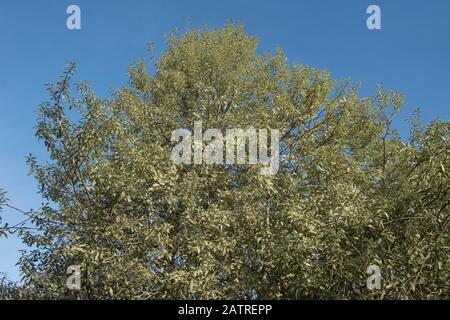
(411, 54)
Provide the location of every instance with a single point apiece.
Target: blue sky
(411, 53)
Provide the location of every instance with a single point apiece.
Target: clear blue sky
(411, 53)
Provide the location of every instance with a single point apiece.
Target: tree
(349, 193)
(8, 289)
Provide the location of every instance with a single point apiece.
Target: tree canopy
(349, 193)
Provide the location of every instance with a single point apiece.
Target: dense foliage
(349, 193)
